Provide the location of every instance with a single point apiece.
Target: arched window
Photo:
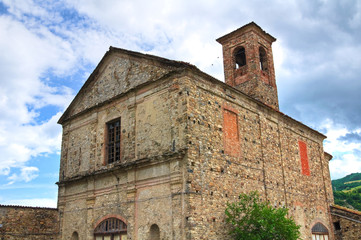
(240, 57)
(111, 229)
(154, 232)
(75, 236)
(263, 59)
(319, 232)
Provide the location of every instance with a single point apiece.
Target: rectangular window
(113, 143)
(304, 158)
(231, 135)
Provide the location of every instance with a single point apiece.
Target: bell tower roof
(248, 27)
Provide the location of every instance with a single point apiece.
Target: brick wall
(28, 223)
(252, 79)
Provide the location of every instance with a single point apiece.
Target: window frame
(113, 141)
(110, 228)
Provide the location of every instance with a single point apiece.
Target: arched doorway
(111, 229)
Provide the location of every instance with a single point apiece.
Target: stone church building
(154, 148)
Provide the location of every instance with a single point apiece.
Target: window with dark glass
(111, 229)
(113, 144)
(240, 57)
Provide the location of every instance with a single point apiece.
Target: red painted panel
(304, 158)
(231, 134)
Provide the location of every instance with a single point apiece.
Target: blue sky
(49, 48)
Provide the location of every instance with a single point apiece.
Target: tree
(253, 219)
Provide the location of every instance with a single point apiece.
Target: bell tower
(248, 63)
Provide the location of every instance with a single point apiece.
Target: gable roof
(171, 65)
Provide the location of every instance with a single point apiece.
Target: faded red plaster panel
(304, 158)
(231, 134)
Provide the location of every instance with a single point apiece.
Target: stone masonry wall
(189, 145)
(83, 143)
(347, 223)
(267, 160)
(146, 186)
(27, 223)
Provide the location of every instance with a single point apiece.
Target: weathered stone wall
(146, 186)
(28, 223)
(189, 145)
(149, 118)
(267, 160)
(347, 223)
(182, 162)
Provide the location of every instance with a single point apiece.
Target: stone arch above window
(263, 63)
(319, 232)
(240, 57)
(154, 232)
(111, 229)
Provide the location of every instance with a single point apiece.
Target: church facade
(154, 148)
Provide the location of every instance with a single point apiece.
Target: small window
(319, 232)
(154, 232)
(263, 59)
(337, 225)
(75, 236)
(240, 57)
(113, 141)
(111, 229)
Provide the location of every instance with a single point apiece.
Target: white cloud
(345, 165)
(27, 174)
(346, 155)
(26, 54)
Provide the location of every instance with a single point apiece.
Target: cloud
(27, 174)
(346, 153)
(27, 53)
(351, 137)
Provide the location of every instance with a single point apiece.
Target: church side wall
(264, 156)
(146, 187)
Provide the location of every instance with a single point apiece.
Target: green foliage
(347, 191)
(350, 199)
(253, 219)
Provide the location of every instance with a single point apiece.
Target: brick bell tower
(248, 63)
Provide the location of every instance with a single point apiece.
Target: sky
(48, 49)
